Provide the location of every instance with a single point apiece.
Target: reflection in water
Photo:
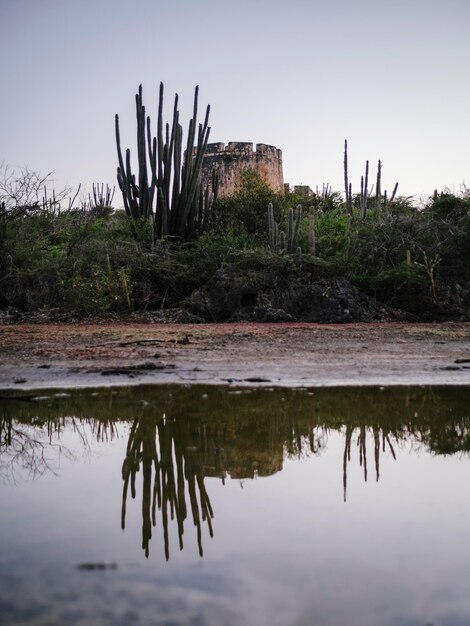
(381, 439)
(180, 436)
(34, 448)
(165, 451)
(29, 449)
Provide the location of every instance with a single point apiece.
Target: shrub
(96, 292)
(245, 212)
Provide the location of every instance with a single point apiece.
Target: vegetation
(87, 261)
(167, 193)
(177, 249)
(175, 441)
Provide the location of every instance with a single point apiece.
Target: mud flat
(34, 356)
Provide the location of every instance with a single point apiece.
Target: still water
(203, 505)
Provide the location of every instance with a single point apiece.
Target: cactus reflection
(169, 457)
(178, 437)
(382, 441)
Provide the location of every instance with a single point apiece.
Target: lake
(168, 505)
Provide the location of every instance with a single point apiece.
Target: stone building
(233, 159)
(303, 190)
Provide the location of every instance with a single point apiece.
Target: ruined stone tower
(235, 158)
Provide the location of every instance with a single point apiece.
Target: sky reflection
(267, 476)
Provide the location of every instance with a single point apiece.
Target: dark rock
(255, 297)
(326, 300)
(428, 310)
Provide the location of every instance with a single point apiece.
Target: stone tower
(235, 158)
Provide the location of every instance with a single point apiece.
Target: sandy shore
(84, 355)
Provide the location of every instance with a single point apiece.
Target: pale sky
(391, 76)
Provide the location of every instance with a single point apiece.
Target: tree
(24, 191)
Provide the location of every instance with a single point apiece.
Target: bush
(245, 213)
(97, 292)
(90, 262)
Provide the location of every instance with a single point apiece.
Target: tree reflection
(173, 450)
(33, 448)
(169, 457)
(27, 450)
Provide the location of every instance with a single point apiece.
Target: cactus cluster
(172, 479)
(278, 241)
(381, 200)
(167, 189)
(101, 197)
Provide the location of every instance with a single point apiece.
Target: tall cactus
(281, 243)
(378, 191)
(347, 184)
(364, 193)
(168, 189)
(272, 226)
(293, 238)
(381, 201)
(312, 244)
(100, 198)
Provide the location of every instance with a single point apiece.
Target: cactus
(364, 193)
(271, 228)
(347, 184)
(169, 189)
(295, 236)
(290, 229)
(387, 201)
(311, 232)
(282, 243)
(378, 191)
(380, 203)
(100, 197)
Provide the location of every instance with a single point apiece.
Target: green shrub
(95, 293)
(245, 213)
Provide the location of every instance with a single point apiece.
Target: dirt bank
(65, 355)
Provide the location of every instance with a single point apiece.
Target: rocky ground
(287, 354)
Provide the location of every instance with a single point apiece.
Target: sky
(390, 76)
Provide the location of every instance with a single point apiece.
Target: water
(204, 505)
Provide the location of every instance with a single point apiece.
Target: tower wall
(233, 159)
